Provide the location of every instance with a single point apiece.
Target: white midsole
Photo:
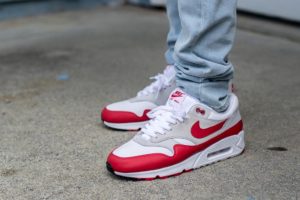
(126, 126)
(226, 148)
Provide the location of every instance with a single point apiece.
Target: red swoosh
(199, 132)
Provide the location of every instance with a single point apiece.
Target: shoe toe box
(133, 157)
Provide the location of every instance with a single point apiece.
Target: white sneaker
(181, 136)
(131, 114)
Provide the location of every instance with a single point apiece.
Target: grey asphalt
(58, 70)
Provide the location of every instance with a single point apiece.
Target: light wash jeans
(200, 38)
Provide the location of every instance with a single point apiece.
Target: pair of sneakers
(177, 132)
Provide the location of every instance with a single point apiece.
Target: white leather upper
(137, 107)
(132, 148)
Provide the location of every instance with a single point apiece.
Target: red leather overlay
(122, 116)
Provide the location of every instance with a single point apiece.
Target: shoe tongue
(180, 99)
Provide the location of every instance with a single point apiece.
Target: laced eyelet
(200, 111)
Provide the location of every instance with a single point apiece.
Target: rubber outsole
(125, 126)
(110, 169)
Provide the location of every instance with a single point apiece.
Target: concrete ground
(58, 70)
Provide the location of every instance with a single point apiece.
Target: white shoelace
(161, 81)
(162, 118)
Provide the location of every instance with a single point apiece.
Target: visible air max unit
(181, 136)
(131, 114)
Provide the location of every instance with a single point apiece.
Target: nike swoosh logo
(199, 132)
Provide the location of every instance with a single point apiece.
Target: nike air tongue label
(177, 96)
(181, 99)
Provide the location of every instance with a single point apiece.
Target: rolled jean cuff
(169, 57)
(212, 90)
(212, 94)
